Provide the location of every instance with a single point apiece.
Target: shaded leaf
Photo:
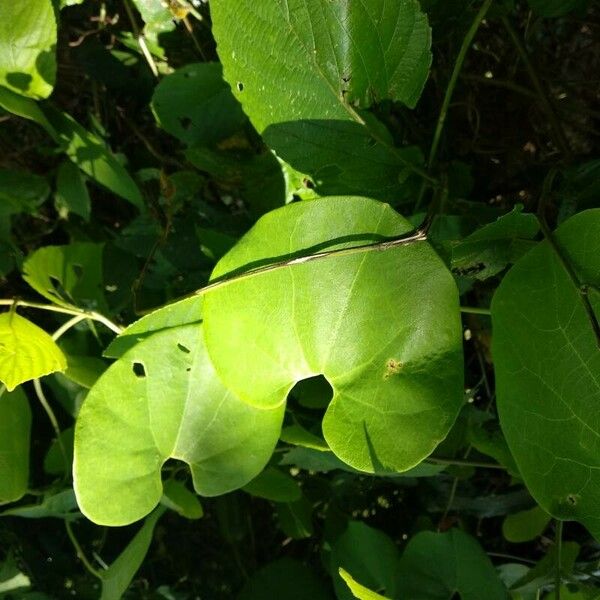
(438, 565)
(177, 497)
(526, 525)
(396, 374)
(295, 518)
(71, 192)
(162, 400)
(26, 351)
(273, 484)
(547, 362)
(21, 191)
(15, 431)
(61, 505)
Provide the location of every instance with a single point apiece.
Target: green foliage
(546, 351)
(300, 299)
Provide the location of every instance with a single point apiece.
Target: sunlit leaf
(547, 361)
(382, 327)
(26, 351)
(359, 591)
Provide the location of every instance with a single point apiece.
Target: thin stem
(80, 553)
(464, 463)
(417, 235)
(67, 325)
(450, 502)
(458, 65)
(475, 310)
(582, 289)
(543, 97)
(39, 392)
(140, 39)
(93, 315)
(558, 542)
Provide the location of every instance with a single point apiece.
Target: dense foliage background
(125, 150)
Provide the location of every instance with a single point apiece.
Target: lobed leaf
(383, 327)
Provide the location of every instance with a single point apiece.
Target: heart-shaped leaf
(26, 351)
(382, 326)
(15, 429)
(302, 68)
(547, 360)
(162, 400)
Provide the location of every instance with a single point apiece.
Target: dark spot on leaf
(78, 270)
(308, 184)
(185, 122)
(189, 369)
(392, 367)
(139, 369)
(572, 499)
(183, 348)
(240, 86)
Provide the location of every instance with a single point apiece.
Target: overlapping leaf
(382, 326)
(162, 400)
(302, 68)
(27, 47)
(547, 360)
(26, 351)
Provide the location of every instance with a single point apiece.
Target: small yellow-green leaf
(359, 591)
(26, 351)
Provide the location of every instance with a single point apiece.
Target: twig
(80, 553)
(140, 39)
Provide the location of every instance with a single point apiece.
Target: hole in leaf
(240, 86)
(314, 392)
(138, 369)
(183, 348)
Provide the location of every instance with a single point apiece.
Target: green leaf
(71, 192)
(370, 555)
(556, 8)
(54, 461)
(27, 47)
(491, 248)
(156, 16)
(21, 191)
(116, 579)
(84, 370)
(26, 351)
(27, 109)
(396, 372)
(15, 430)
(547, 361)
(526, 525)
(196, 105)
(439, 565)
(359, 591)
(295, 518)
(11, 577)
(68, 275)
(297, 435)
(316, 63)
(162, 400)
(61, 505)
(178, 498)
(92, 156)
(285, 578)
(273, 484)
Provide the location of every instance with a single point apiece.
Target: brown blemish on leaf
(392, 367)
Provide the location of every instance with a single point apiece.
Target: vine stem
(558, 541)
(92, 315)
(80, 553)
(464, 463)
(475, 310)
(561, 138)
(458, 65)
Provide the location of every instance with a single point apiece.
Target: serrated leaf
(547, 362)
(359, 591)
(27, 47)
(15, 430)
(196, 105)
(440, 565)
(382, 327)
(299, 67)
(26, 351)
(162, 400)
(68, 275)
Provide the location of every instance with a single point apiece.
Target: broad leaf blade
(547, 363)
(162, 400)
(15, 429)
(383, 328)
(27, 47)
(26, 351)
